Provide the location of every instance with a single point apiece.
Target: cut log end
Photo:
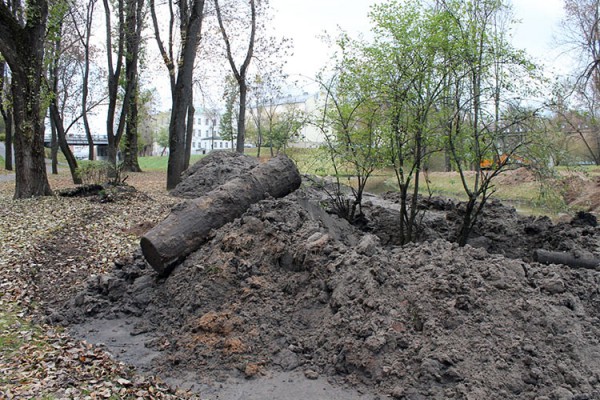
(152, 256)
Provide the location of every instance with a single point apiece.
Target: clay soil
(292, 294)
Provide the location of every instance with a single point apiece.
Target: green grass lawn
(451, 186)
(153, 163)
(158, 163)
(523, 195)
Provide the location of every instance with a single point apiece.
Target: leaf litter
(288, 287)
(50, 247)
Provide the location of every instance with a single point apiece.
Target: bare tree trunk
(130, 159)
(465, 228)
(133, 38)
(54, 148)
(23, 50)
(30, 161)
(189, 134)
(8, 142)
(182, 94)
(6, 117)
(241, 123)
(114, 133)
(240, 75)
(84, 38)
(58, 124)
(177, 137)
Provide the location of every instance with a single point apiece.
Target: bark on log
(188, 226)
(555, 257)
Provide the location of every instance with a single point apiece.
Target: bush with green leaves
(94, 172)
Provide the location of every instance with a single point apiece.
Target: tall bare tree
(115, 127)
(22, 38)
(62, 77)
(240, 73)
(581, 28)
(83, 18)
(6, 115)
(189, 17)
(134, 15)
(122, 72)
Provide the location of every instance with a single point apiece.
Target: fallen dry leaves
(50, 247)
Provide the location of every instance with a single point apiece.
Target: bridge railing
(80, 140)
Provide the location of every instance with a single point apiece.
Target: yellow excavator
(500, 161)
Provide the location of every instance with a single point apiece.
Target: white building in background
(309, 108)
(310, 105)
(206, 136)
(205, 133)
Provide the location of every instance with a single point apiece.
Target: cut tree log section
(189, 225)
(556, 257)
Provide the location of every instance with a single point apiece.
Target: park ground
(52, 246)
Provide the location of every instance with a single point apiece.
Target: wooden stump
(555, 257)
(189, 225)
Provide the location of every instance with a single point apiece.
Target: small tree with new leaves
(350, 125)
(488, 78)
(408, 80)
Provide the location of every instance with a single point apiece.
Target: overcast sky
(305, 20)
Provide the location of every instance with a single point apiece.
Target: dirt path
(120, 338)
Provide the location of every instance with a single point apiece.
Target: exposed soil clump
(499, 230)
(211, 171)
(289, 287)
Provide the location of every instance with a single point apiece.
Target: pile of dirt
(211, 171)
(516, 176)
(590, 198)
(290, 287)
(499, 229)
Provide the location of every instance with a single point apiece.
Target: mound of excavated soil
(499, 230)
(515, 176)
(589, 200)
(289, 287)
(211, 171)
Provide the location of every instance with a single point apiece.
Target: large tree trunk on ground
(186, 228)
(556, 257)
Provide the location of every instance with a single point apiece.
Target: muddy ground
(292, 295)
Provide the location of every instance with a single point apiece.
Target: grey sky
(305, 20)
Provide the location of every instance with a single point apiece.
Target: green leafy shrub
(94, 172)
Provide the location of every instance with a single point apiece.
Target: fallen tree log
(556, 257)
(189, 225)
